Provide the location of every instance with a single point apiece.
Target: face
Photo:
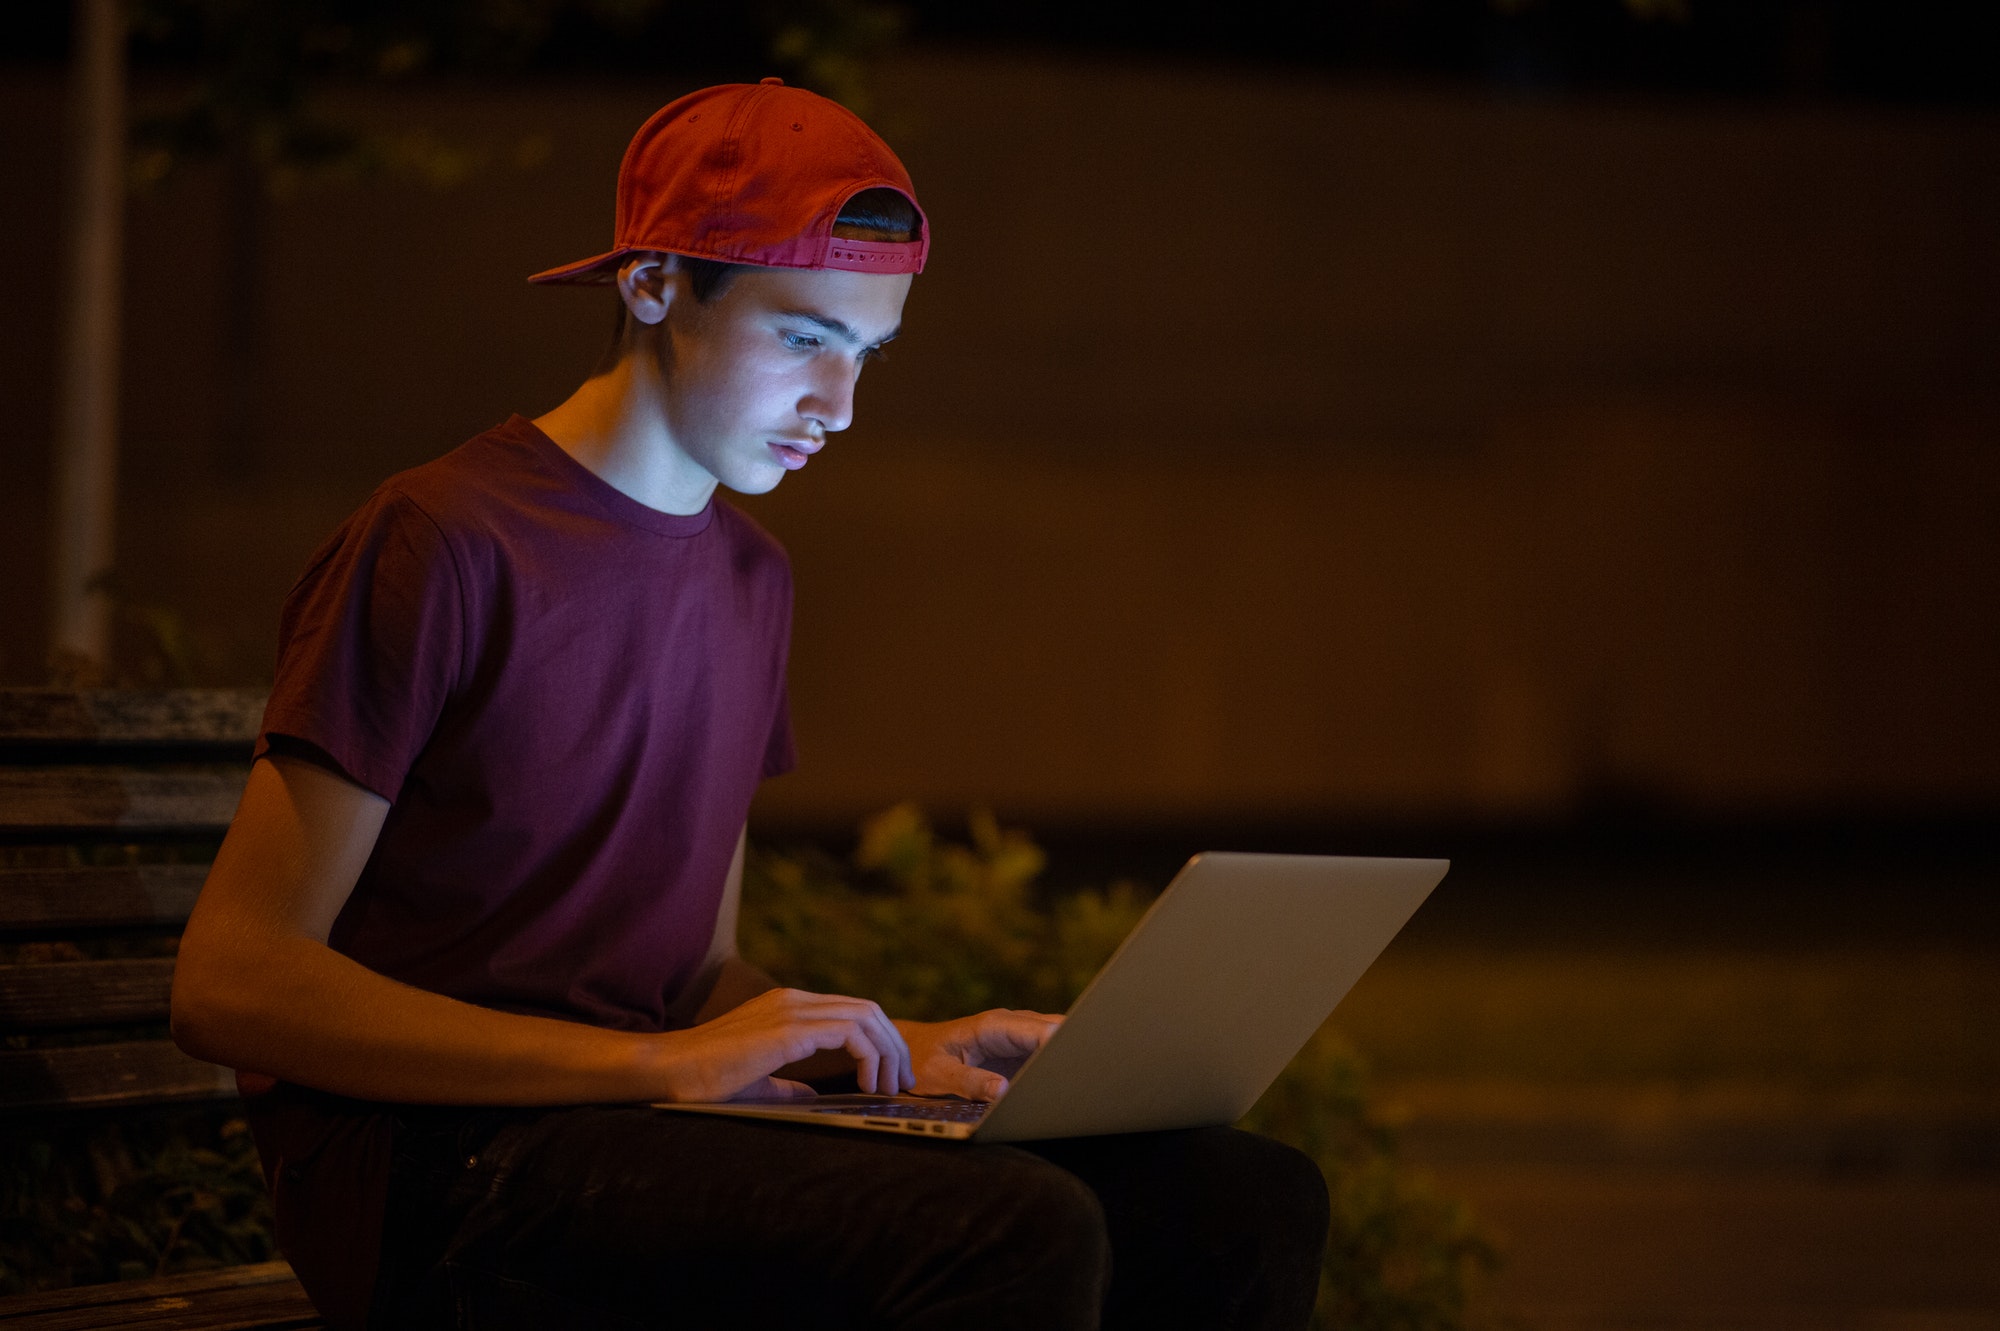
(758, 376)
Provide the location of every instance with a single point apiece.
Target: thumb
(979, 1084)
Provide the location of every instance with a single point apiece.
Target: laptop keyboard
(948, 1111)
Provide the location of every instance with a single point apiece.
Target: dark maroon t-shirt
(568, 699)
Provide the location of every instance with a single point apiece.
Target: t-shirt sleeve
(370, 645)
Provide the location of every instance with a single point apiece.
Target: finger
(867, 1061)
(875, 1068)
(905, 1061)
(884, 1066)
(899, 1070)
(896, 1072)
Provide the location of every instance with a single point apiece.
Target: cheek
(740, 405)
(735, 383)
(763, 383)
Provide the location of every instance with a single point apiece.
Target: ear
(647, 286)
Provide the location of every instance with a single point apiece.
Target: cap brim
(863, 256)
(599, 271)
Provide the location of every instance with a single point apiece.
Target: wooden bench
(111, 805)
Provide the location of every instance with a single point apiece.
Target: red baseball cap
(753, 173)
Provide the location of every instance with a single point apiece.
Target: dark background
(1414, 414)
(1819, 50)
(1558, 436)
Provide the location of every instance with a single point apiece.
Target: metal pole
(86, 470)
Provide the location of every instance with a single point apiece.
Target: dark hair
(873, 214)
(882, 214)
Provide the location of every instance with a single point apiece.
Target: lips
(793, 453)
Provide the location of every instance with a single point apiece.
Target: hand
(735, 1054)
(956, 1057)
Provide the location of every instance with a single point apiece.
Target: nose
(829, 399)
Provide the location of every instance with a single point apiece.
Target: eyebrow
(836, 327)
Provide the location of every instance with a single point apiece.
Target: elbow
(189, 1018)
(204, 1017)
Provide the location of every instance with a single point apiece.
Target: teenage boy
(478, 906)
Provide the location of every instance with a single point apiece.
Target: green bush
(933, 929)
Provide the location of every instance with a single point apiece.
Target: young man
(478, 906)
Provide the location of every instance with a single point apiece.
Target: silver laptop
(1226, 977)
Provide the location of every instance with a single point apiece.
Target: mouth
(794, 453)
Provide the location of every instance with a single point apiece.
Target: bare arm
(257, 987)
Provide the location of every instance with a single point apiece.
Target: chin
(754, 484)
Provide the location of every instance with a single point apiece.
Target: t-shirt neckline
(615, 502)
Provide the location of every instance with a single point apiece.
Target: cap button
(773, 79)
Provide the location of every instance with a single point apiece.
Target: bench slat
(62, 994)
(135, 1073)
(235, 1310)
(128, 1291)
(266, 1295)
(256, 1308)
(124, 897)
(189, 801)
(127, 716)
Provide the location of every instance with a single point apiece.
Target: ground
(1749, 1115)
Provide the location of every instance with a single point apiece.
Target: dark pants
(635, 1217)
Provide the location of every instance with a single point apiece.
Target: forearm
(296, 1009)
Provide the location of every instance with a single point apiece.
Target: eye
(800, 342)
(873, 354)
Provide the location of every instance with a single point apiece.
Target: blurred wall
(1257, 447)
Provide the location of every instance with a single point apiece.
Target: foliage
(928, 928)
(932, 928)
(91, 1199)
(254, 62)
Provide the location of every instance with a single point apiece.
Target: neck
(616, 426)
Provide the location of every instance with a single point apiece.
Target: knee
(1297, 1178)
(1058, 1221)
(1290, 1195)
(1266, 1239)
(1047, 1247)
